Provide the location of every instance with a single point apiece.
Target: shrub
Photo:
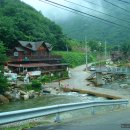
(36, 84)
(3, 83)
(45, 78)
(74, 58)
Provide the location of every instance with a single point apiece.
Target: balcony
(35, 58)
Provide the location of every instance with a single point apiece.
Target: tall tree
(3, 59)
(125, 49)
(19, 21)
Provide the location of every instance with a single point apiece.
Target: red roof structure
(33, 56)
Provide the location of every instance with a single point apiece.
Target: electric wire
(97, 11)
(91, 3)
(99, 5)
(84, 13)
(117, 6)
(59, 7)
(124, 1)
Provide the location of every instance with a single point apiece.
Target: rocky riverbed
(20, 92)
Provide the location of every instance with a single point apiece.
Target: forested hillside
(79, 25)
(19, 21)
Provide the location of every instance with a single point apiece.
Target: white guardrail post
(92, 111)
(57, 119)
(19, 115)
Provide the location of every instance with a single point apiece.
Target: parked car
(92, 68)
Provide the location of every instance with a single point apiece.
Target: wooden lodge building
(32, 56)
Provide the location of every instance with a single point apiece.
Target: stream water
(47, 100)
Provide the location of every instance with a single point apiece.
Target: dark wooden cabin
(34, 56)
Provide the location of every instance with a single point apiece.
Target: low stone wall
(109, 96)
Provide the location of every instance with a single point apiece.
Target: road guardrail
(19, 115)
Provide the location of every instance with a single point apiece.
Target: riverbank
(79, 83)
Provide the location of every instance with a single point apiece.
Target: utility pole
(86, 53)
(100, 54)
(66, 45)
(105, 51)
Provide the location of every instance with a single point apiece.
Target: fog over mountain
(77, 26)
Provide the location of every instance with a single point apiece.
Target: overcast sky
(60, 14)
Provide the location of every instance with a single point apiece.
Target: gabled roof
(19, 49)
(35, 45)
(48, 46)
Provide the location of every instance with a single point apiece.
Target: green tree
(19, 21)
(3, 59)
(3, 83)
(125, 48)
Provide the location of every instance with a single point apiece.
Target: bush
(36, 84)
(3, 83)
(44, 79)
(74, 58)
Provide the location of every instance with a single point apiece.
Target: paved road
(119, 120)
(78, 78)
(78, 81)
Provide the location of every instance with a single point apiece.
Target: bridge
(114, 70)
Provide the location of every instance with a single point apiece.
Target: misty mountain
(77, 26)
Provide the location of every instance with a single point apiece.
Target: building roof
(19, 49)
(49, 46)
(35, 45)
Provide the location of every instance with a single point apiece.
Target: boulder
(21, 86)
(17, 96)
(3, 99)
(22, 92)
(8, 95)
(26, 97)
(31, 94)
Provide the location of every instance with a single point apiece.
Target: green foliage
(77, 27)
(36, 84)
(44, 79)
(75, 45)
(48, 78)
(74, 58)
(3, 59)
(3, 83)
(125, 48)
(19, 21)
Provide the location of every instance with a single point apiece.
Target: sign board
(34, 73)
(16, 54)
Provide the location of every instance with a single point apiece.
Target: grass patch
(75, 58)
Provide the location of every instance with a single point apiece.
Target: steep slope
(78, 27)
(19, 21)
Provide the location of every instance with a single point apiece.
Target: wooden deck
(34, 58)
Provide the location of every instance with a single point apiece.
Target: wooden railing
(34, 58)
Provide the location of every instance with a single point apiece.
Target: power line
(91, 3)
(97, 11)
(117, 6)
(59, 7)
(124, 1)
(67, 10)
(84, 13)
(71, 12)
(96, 4)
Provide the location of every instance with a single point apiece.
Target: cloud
(57, 14)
